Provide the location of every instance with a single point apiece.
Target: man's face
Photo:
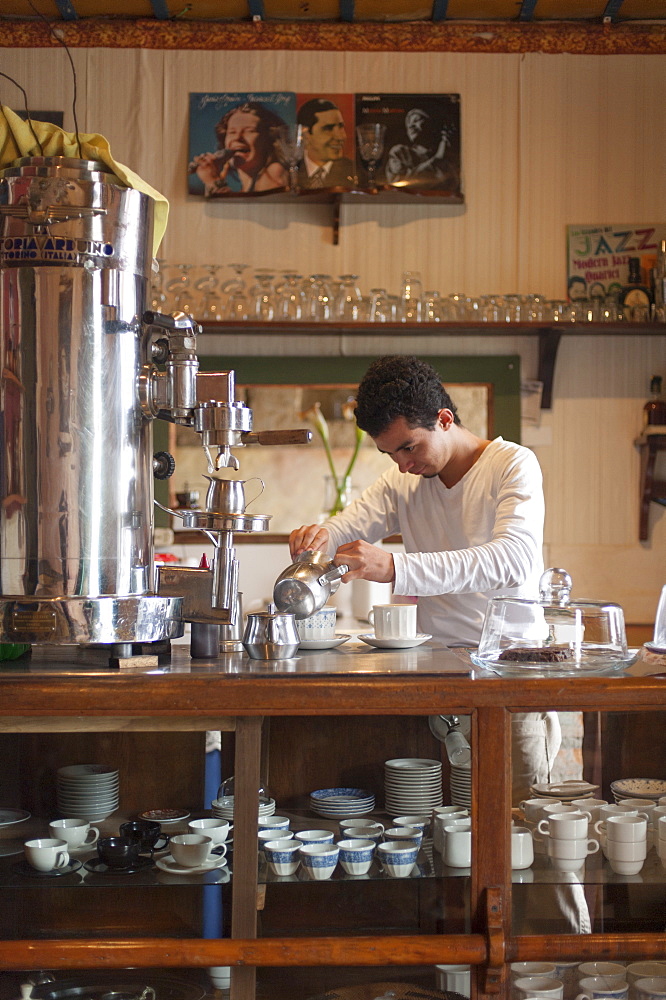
(326, 139)
(418, 450)
(415, 126)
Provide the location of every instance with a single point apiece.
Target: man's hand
(366, 562)
(308, 536)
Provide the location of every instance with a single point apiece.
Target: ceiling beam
(611, 10)
(66, 10)
(527, 10)
(347, 10)
(439, 10)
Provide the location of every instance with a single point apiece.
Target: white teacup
(601, 986)
(565, 825)
(393, 621)
(319, 860)
(590, 805)
(320, 625)
(535, 986)
(457, 847)
(625, 850)
(367, 824)
(421, 822)
(612, 971)
(315, 836)
(455, 979)
(273, 822)
(408, 834)
(192, 849)
(572, 849)
(397, 858)
(216, 829)
(77, 833)
(522, 848)
(540, 970)
(46, 853)
(533, 808)
(616, 809)
(356, 855)
(626, 829)
(644, 808)
(651, 987)
(282, 855)
(645, 970)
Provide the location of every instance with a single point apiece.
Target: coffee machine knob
(164, 465)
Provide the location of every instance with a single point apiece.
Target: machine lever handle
(297, 435)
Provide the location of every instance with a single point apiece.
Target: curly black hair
(400, 386)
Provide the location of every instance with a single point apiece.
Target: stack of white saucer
(461, 785)
(224, 808)
(87, 791)
(412, 786)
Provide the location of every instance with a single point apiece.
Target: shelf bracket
(492, 972)
(549, 341)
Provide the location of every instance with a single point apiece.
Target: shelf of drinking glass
(549, 333)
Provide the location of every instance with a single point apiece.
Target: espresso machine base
(105, 620)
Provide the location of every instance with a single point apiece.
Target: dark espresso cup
(118, 852)
(147, 833)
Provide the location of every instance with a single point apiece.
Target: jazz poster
(598, 256)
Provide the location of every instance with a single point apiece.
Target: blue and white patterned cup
(282, 856)
(320, 625)
(356, 855)
(319, 860)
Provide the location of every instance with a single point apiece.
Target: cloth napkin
(17, 139)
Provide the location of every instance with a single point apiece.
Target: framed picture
(236, 142)
(420, 141)
(327, 133)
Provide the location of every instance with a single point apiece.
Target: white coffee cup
(454, 979)
(522, 848)
(590, 805)
(533, 808)
(75, 832)
(626, 850)
(535, 986)
(565, 826)
(601, 986)
(393, 621)
(645, 970)
(216, 829)
(46, 853)
(572, 849)
(541, 970)
(651, 986)
(612, 971)
(192, 849)
(320, 625)
(628, 829)
(616, 809)
(457, 847)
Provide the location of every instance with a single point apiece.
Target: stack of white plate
(412, 786)
(224, 808)
(650, 789)
(461, 785)
(565, 791)
(336, 803)
(87, 791)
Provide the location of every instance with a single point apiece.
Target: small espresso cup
(611, 971)
(393, 621)
(535, 986)
(651, 988)
(76, 832)
(46, 853)
(601, 986)
(118, 852)
(626, 829)
(147, 833)
(565, 825)
(320, 625)
(192, 849)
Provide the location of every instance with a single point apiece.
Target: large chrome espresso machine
(85, 372)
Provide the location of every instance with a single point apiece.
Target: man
(423, 160)
(471, 515)
(324, 163)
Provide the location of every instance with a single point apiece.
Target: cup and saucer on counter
(192, 854)
(395, 627)
(317, 631)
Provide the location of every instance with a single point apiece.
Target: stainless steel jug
(76, 473)
(270, 636)
(227, 496)
(306, 585)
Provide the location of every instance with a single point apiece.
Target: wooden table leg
(244, 877)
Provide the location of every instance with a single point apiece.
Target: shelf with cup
(549, 335)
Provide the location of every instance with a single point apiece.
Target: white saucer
(323, 643)
(168, 864)
(372, 640)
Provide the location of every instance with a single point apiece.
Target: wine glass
(291, 140)
(263, 295)
(349, 299)
(371, 146)
(412, 297)
(237, 304)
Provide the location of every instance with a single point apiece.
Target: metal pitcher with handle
(304, 587)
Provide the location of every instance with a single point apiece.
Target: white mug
(393, 621)
(522, 848)
(565, 826)
(46, 853)
(75, 832)
(533, 808)
(626, 829)
(216, 829)
(457, 847)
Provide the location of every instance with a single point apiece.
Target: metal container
(306, 586)
(270, 636)
(76, 476)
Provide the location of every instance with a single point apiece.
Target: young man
(324, 163)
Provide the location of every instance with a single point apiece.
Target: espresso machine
(85, 372)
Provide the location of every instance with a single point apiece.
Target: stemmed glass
(179, 288)
(210, 307)
(237, 304)
(349, 299)
(371, 146)
(291, 302)
(412, 297)
(263, 295)
(291, 140)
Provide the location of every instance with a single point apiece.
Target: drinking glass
(458, 303)
(412, 297)
(262, 296)
(370, 138)
(291, 140)
(349, 299)
(432, 312)
(291, 302)
(158, 295)
(380, 307)
(534, 308)
(512, 309)
(237, 304)
(178, 288)
(320, 298)
(210, 306)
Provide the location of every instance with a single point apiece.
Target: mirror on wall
(297, 487)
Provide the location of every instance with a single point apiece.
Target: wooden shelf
(549, 335)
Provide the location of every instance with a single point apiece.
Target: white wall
(547, 140)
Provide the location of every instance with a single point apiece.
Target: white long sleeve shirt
(481, 538)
